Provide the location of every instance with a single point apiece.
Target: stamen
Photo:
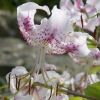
(95, 33)
(16, 82)
(82, 22)
(57, 88)
(9, 78)
(50, 93)
(29, 87)
(19, 81)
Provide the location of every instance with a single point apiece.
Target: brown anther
(95, 33)
(82, 22)
(82, 10)
(29, 87)
(9, 78)
(16, 82)
(57, 88)
(50, 94)
(19, 84)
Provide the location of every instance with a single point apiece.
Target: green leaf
(91, 44)
(76, 98)
(94, 69)
(93, 90)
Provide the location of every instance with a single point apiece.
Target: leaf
(76, 98)
(94, 69)
(91, 44)
(93, 90)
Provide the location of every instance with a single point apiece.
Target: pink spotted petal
(75, 43)
(51, 28)
(25, 17)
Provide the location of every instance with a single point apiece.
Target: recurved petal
(66, 4)
(30, 6)
(53, 28)
(11, 77)
(60, 22)
(94, 3)
(25, 17)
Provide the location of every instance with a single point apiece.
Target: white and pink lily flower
(37, 93)
(14, 83)
(55, 33)
(17, 71)
(49, 29)
(81, 13)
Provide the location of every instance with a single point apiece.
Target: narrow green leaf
(93, 90)
(76, 98)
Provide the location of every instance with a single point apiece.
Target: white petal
(59, 20)
(90, 10)
(95, 53)
(66, 4)
(93, 78)
(62, 97)
(17, 71)
(55, 27)
(81, 40)
(26, 97)
(94, 3)
(31, 6)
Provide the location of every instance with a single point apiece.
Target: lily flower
(36, 93)
(77, 9)
(15, 83)
(49, 29)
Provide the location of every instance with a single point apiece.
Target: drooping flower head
(49, 29)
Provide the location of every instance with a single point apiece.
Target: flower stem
(63, 90)
(41, 62)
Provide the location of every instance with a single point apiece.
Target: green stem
(63, 90)
(42, 63)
